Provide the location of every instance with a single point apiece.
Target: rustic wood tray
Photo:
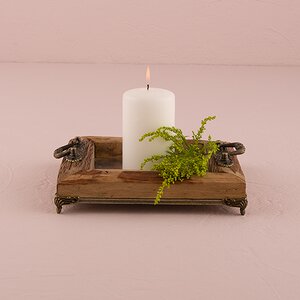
(97, 177)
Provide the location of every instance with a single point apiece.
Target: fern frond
(182, 159)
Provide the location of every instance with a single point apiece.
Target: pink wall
(133, 31)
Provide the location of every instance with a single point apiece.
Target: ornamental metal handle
(73, 151)
(224, 157)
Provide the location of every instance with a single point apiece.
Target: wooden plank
(144, 184)
(107, 146)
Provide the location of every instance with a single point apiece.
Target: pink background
(64, 66)
(251, 32)
(96, 252)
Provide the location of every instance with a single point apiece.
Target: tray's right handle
(224, 157)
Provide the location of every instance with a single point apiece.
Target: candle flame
(148, 75)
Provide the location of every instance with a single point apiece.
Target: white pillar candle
(145, 110)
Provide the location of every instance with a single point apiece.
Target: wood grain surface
(99, 175)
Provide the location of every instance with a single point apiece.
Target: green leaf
(182, 159)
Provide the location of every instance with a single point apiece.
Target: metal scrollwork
(60, 201)
(241, 203)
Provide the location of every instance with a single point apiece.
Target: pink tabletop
(97, 252)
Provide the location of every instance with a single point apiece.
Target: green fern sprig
(182, 159)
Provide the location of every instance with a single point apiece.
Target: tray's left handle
(73, 151)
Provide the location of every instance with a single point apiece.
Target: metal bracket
(224, 157)
(60, 201)
(241, 203)
(73, 151)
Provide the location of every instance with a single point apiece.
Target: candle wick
(148, 86)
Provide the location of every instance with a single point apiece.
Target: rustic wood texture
(99, 176)
(144, 184)
(87, 163)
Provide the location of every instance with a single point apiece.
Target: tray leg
(241, 203)
(60, 201)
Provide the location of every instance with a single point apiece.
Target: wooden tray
(98, 178)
